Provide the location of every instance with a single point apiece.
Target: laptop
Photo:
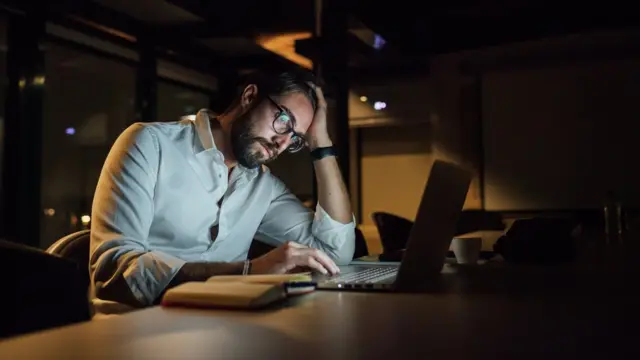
(428, 243)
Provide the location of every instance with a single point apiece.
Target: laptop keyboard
(368, 275)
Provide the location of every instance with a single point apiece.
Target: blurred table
(494, 323)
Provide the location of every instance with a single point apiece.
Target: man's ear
(249, 95)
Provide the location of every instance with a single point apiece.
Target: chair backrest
(393, 230)
(40, 291)
(74, 247)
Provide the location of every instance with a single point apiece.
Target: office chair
(393, 230)
(40, 290)
(74, 247)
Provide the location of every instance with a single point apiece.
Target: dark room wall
(560, 137)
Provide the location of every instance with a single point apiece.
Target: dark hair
(281, 83)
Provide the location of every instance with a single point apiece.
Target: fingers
(315, 265)
(323, 259)
(316, 260)
(296, 245)
(300, 255)
(322, 103)
(296, 256)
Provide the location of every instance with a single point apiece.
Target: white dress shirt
(164, 187)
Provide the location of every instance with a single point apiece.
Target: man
(182, 201)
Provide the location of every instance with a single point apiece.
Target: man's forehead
(298, 104)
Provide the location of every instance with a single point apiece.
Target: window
(88, 101)
(176, 101)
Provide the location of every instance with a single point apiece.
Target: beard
(245, 144)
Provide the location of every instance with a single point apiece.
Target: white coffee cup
(467, 250)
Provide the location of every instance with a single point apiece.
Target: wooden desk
(332, 325)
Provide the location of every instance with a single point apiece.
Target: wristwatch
(322, 152)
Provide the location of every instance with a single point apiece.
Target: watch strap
(322, 152)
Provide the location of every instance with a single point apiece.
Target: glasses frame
(290, 130)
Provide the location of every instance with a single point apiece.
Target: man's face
(254, 139)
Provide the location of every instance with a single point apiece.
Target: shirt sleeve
(288, 220)
(122, 267)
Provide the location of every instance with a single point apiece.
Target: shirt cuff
(330, 231)
(150, 274)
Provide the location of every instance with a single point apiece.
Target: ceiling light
(378, 42)
(379, 105)
(363, 98)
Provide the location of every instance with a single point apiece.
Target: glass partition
(88, 101)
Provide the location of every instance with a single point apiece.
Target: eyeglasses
(284, 124)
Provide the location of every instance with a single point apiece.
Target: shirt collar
(204, 142)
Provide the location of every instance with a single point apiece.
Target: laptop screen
(435, 224)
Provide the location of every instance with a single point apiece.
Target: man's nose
(282, 142)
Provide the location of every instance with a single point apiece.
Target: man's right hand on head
(292, 255)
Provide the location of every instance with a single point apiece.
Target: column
(332, 66)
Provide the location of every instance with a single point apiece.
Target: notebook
(238, 291)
